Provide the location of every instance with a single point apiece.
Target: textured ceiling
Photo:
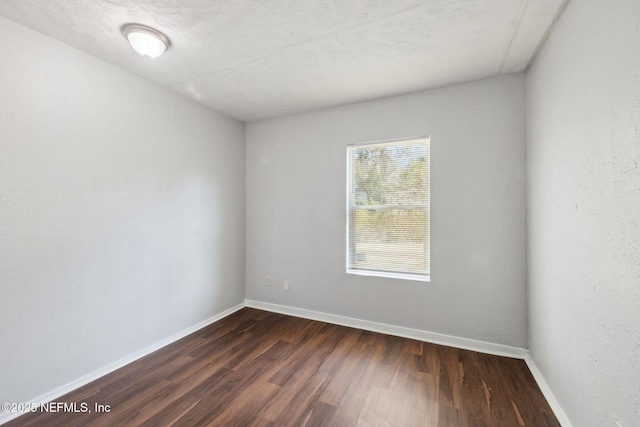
(258, 59)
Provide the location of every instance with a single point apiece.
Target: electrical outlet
(285, 286)
(268, 280)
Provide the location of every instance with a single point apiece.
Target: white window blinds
(388, 208)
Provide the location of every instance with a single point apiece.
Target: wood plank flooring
(256, 368)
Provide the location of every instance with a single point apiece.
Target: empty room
(320, 213)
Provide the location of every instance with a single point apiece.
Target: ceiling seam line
(513, 37)
(283, 49)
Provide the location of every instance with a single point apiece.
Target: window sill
(390, 275)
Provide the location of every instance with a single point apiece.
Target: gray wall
(583, 162)
(121, 214)
(296, 175)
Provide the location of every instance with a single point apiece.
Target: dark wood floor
(256, 368)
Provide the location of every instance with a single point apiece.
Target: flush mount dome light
(145, 40)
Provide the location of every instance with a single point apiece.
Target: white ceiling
(258, 59)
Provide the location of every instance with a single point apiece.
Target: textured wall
(121, 213)
(296, 178)
(583, 161)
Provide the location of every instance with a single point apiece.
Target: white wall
(296, 211)
(121, 213)
(583, 162)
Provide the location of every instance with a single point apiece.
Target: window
(388, 209)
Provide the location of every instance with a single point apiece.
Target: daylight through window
(388, 209)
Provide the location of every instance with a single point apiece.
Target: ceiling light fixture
(145, 40)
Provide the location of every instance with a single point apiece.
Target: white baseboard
(546, 391)
(400, 331)
(62, 390)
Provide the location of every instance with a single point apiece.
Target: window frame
(351, 208)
